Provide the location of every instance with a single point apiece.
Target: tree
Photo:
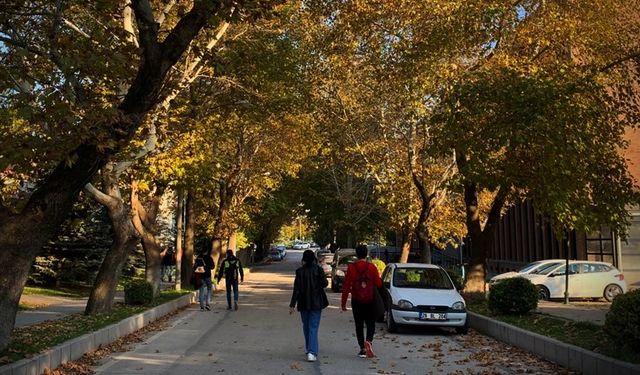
(533, 119)
(95, 120)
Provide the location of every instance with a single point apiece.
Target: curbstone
(75, 348)
(567, 355)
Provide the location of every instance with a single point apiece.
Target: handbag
(196, 280)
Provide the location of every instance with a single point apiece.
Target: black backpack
(231, 269)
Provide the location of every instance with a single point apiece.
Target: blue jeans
(310, 325)
(229, 284)
(202, 296)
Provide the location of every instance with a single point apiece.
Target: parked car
(325, 262)
(275, 255)
(341, 260)
(586, 280)
(301, 245)
(424, 295)
(282, 249)
(533, 267)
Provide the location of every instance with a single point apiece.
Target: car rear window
(421, 278)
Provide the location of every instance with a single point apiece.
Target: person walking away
(361, 279)
(310, 298)
(204, 265)
(230, 269)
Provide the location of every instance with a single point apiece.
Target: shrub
(379, 265)
(622, 324)
(138, 292)
(513, 296)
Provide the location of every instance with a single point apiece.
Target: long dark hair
(309, 257)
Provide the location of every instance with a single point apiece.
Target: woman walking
(309, 296)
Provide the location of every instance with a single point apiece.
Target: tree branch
(623, 59)
(149, 146)
(147, 29)
(127, 23)
(99, 196)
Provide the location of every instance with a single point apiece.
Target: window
(601, 246)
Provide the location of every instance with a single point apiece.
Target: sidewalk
(48, 308)
(580, 311)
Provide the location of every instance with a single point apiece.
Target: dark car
(341, 260)
(275, 255)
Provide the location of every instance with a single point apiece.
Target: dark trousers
(231, 284)
(364, 313)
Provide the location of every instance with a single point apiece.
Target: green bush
(513, 296)
(138, 292)
(622, 324)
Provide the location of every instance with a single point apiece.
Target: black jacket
(308, 288)
(230, 268)
(207, 262)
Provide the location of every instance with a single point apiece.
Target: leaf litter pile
(84, 365)
(471, 354)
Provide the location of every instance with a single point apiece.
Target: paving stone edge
(77, 347)
(566, 355)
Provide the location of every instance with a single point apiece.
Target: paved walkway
(592, 311)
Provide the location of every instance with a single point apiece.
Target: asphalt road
(262, 338)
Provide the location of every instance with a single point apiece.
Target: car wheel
(392, 326)
(611, 291)
(543, 293)
(334, 287)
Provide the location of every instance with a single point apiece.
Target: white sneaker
(311, 357)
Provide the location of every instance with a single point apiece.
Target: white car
(301, 245)
(422, 294)
(533, 267)
(586, 280)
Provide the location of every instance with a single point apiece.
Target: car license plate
(433, 316)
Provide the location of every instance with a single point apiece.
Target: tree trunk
(125, 238)
(189, 237)
(103, 292)
(179, 234)
(481, 238)
(144, 221)
(406, 244)
(153, 261)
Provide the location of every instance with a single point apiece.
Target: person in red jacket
(361, 279)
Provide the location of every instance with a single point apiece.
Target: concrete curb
(77, 347)
(566, 355)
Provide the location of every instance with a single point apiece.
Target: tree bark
(406, 244)
(481, 238)
(144, 222)
(125, 239)
(179, 235)
(22, 235)
(189, 237)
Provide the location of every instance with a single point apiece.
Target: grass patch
(27, 341)
(582, 334)
(66, 293)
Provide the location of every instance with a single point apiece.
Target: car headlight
(404, 304)
(458, 306)
(339, 273)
